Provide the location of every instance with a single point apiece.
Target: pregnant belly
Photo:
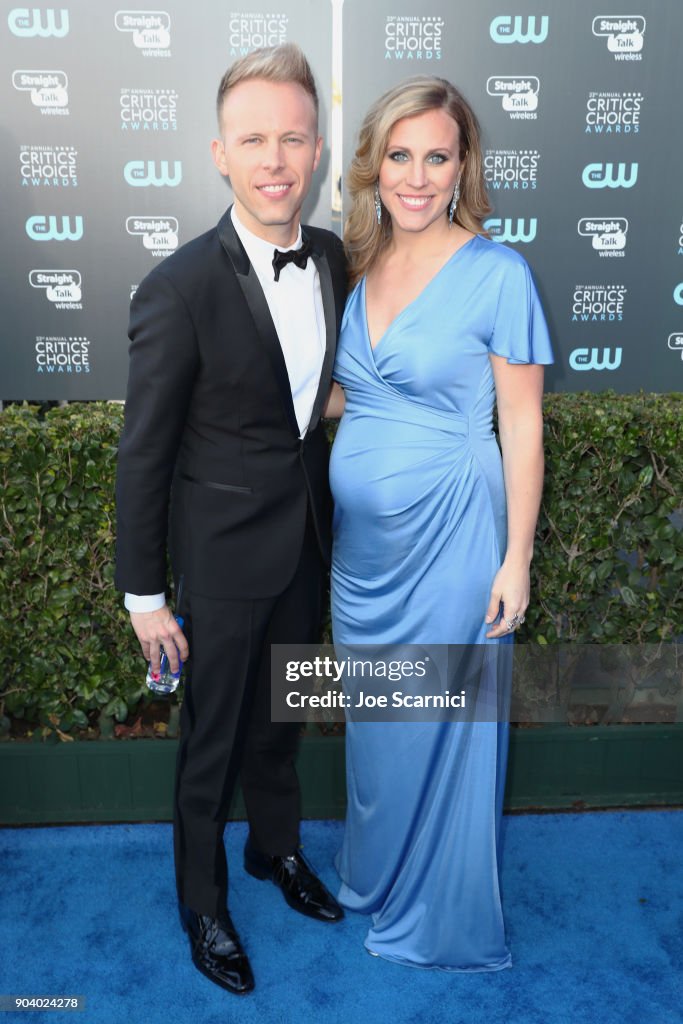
(416, 537)
(383, 467)
(402, 489)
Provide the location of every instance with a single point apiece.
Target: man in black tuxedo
(232, 347)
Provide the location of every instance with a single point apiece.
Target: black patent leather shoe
(217, 951)
(302, 889)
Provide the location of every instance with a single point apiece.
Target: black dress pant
(226, 731)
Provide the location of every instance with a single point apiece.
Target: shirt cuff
(144, 602)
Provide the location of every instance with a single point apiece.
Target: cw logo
(603, 176)
(28, 23)
(591, 359)
(45, 229)
(503, 231)
(678, 294)
(508, 29)
(141, 175)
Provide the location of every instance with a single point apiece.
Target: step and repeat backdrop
(108, 115)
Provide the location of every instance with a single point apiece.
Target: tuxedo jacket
(210, 463)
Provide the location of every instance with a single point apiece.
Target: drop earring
(454, 202)
(378, 204)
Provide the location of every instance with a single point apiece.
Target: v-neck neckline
(400, 314)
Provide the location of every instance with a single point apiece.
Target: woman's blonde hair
(365, 240)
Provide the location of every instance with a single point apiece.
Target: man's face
(269, 149)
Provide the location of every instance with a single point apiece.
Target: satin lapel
(330, 311)
(258, 307)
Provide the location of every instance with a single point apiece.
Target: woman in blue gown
(432, 540)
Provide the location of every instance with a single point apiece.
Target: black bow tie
(297, 256)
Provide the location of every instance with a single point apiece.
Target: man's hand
(156, 628)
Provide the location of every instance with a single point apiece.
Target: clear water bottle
(165, 681)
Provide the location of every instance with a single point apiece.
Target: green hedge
(607, 568)
(69, 655)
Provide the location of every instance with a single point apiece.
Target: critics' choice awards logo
(62, 355)
(48, 228)
(519, 95)
(607, 235)
(144, 173)
(610, 175)
(508, 28)
(595, 359)
(62, 287)
(29, 22)
(623, 33)
(511, 168)
(149, 110)
(678, 294)
(509, 230)
(613, 113)
(251, 30)
(413, 37)
(159, 234)
(51, 166)
(48, 90)
(598, 303)
(149, 30)
(680, 239)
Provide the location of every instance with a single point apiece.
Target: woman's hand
(510, 588)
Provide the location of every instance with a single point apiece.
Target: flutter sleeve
(519, 331)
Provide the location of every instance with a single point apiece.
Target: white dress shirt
(296, 306)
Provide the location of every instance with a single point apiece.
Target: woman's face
(419, 170)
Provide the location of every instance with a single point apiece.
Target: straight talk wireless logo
(150, 31)
(159, 235)
(62, 288)
(607, 234)
(675, 342)
(518, 95)
(48, 90)
(623, 34)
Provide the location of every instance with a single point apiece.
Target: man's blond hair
(285, 63)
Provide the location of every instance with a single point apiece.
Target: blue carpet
(593, 904)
